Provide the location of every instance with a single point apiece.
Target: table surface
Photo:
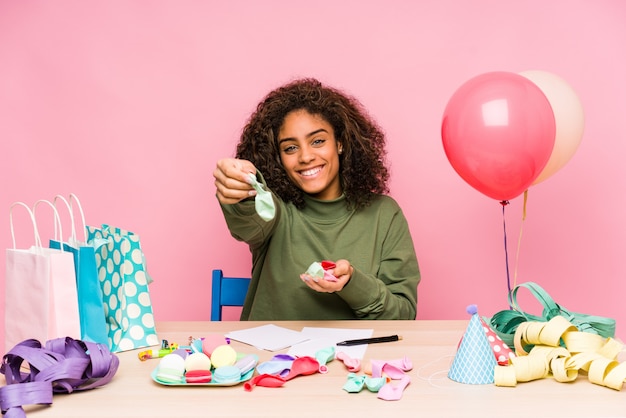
(430, 345)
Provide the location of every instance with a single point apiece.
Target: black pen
(370, 340)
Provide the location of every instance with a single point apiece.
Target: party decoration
(505, 322)
(498, 132)
(387, 378)
(352, 364)
(557, 348)
(474, 362)
(318, 270)
(501, 350)
(568, 115)
(263, 201)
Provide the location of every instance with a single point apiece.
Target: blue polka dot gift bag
(124, 281)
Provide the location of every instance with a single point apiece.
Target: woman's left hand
(343, 272)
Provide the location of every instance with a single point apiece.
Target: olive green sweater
(376, 240)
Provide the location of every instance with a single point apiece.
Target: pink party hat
(501, 351)
(474, 362)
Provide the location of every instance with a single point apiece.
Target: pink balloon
(498, 132)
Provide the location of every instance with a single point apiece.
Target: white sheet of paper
(268, 337)
(321, 338)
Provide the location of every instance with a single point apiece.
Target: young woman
(323, 160)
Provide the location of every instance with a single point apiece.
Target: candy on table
(171, 369)
(223, 355)
(211, 341)
(226, 374)
(247, 363)
(198, 376)
(197, 361)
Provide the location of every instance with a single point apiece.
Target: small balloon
(568, 115)
(498, 132)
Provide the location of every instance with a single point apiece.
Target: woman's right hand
(231, 180)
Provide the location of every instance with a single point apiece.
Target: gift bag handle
(72, 237)
(70, 207)
(58, 233)
(74, 198)
(32, 218)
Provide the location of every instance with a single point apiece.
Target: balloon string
(504, 203)
(519, 240)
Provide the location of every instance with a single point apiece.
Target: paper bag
(124, 280)
(40, 290)
(93, 326)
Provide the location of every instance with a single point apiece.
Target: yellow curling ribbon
(557, 348)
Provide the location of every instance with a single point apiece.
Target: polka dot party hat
(474, 362)
(501, 351)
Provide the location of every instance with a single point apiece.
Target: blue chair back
(226, 291)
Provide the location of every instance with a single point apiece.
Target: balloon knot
(504, 202)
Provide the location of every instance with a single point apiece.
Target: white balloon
(569, 119)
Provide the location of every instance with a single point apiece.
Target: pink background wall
(129, 105)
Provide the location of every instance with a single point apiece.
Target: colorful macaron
(198, 376)
(247, 363)
(171, 369)
(212, 341)
(226, 374)
(197, 361)
(197, 368)
(223, 355)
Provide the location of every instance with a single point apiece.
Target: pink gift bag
(41, 299)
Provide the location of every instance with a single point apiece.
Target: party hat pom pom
(472, 309)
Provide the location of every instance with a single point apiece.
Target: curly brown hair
(363, 171)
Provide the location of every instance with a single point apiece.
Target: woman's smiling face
(310, 154)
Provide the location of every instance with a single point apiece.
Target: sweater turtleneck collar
(330, 210)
